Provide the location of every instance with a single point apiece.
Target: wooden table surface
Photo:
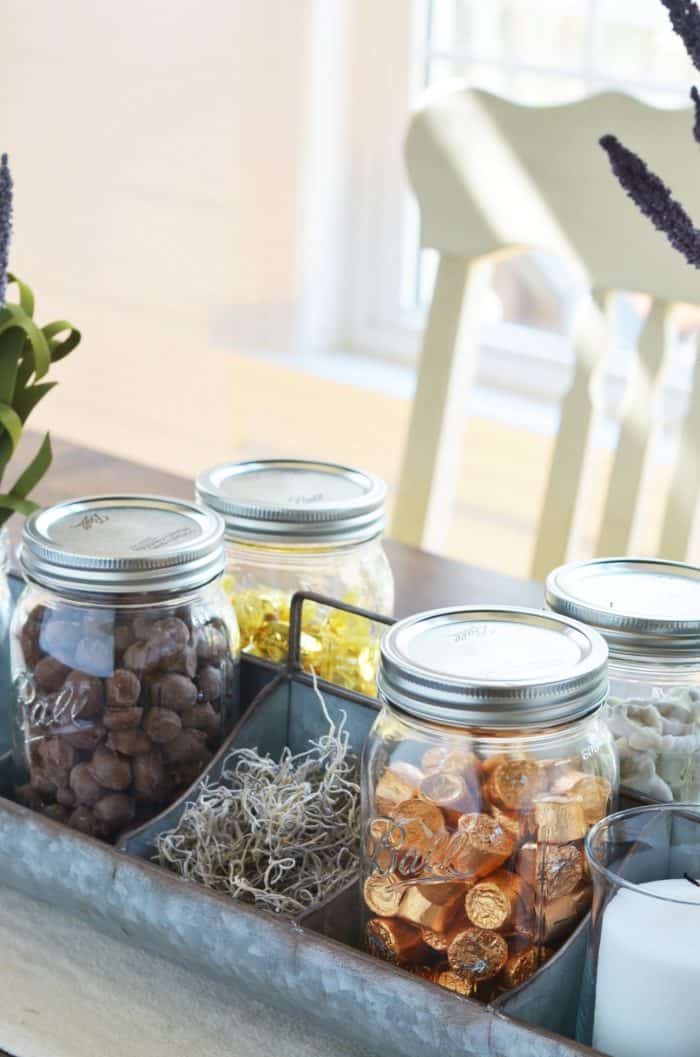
(423, 580)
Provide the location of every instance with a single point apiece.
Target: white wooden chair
(491, 178)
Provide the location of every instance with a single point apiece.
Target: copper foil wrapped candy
(475, 901)
(124, 654)
(483, 772)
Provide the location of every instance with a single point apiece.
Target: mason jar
(649, 612)
(123, 652)
(294, 525)
(482, 773)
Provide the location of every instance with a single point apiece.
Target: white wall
(160, 153)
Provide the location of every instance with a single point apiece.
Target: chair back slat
(448, 362)
(639, 429)
(493, 177)
(563, 507)
(681, 515)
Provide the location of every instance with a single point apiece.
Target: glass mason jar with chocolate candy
(124, 652)
(480, 778)
(295, 525)
(648, 611)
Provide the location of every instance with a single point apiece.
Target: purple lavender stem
(654, 199)
(685, 19)
(5, 223)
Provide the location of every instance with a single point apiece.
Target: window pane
(543, 52)
(633, 40)
(542, 32)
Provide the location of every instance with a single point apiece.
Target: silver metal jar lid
(497, 667)
(294, 501)
(641, 605)
(123, 544)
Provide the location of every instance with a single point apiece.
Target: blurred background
(215, 194)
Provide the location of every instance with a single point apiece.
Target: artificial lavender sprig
(695, 96)
(685, 19)
(5, 223)
(654, 199)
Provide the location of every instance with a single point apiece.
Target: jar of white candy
(649, 612)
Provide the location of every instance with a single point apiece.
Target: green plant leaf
(36, 469)
(36, 347)
(59, 349)
(15, 501)
(26, 296)
(10, 420)
(26, 354)
(14, 504)
(28, 397)
(11, 345)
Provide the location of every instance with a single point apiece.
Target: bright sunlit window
(541, 52)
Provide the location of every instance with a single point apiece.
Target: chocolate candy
(122, 689)
(110, 769)
(149, 775)
(114, 811)
(122, 718)
(121, 710)
(84, 695)
(188, 745)
(202, 717)
(175, 692)
(209, 683)
(130, 742)
(84, 785)
(83, 820)
(162, 725)
(50, 674)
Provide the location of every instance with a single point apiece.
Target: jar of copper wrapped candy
(124, 653)
(481, 776)
(294, 525)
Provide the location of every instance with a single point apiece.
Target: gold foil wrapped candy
(339, 647)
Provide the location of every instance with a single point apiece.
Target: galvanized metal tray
(312, 966)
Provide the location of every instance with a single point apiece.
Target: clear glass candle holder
(642, 978)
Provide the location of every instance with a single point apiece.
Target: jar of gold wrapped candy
(124, 652)
(481, 777)
(293, 525)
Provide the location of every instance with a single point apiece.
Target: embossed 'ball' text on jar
(648, 611)
(480, 779)
(124, 656)
(295, 525)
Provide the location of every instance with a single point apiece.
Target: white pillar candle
(647, 1000)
